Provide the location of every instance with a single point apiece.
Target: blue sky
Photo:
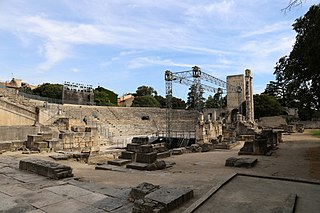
(123, 44)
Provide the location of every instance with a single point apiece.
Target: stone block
(128, 155)
(241, 162)
(170, 198)
(247, 148)
(158, 165)
(55, 145)
(5, 146)
(137, 166)
(46, 168)
(178, 151)
(60, 157)
(142, 190)
(206, 147)
(146, 148)
(40, 145)
(78, 128)
(164, 154)
(32, 139)
(146, 157)
(46, 135)
(140, 140)
(119, 162)
(133, 147)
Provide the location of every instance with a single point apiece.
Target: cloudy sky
(122, 44)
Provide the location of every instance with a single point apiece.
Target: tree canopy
(49, 90)
(297, 75)
(145, 101)
(195, 98)
(265, 105)
(146, 90)
(105, 97)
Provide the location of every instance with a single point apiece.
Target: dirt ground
(297, 157)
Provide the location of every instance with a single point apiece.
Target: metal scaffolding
(189, 78)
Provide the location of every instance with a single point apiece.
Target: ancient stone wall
(272, 122)
(17, 133)
(12, 114)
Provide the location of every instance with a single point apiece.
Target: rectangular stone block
(46, 135)
(5, 146)
(128, 155)
(146, 157)
(140, 140)
(133, 147)
(171, 198)
(40, 145)
(32, 139)
(146, 148)
(119, 162)
(46, 168)
(137, 166)
(165, 154)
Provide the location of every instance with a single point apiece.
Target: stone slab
(178, 151)
(119, 162)
(109, 204)
(137, 166)
(164, 154)
(42, 198)
(60, 157)
(111, 168)
(171, 198)
(67, 205)
(241, 162)
(91, 198)
(142, 190)
(69, 190)
(46, 168)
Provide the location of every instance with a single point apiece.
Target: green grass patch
(316, 133)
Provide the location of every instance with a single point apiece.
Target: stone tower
(239, 89)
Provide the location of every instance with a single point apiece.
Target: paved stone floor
(21, 191)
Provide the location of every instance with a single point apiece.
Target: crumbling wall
(272, 122)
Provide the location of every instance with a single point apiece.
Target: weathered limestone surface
(46, 168)
(241, 162)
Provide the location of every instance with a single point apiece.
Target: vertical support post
(249, 96)
(196, 74)
(168, 78)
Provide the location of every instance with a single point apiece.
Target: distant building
(17, 83)
(125, 100)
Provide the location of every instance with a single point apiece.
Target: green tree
(178, 103)
(298, 74)
(215, 101)
(49, 90)
(145, 101)
(105, 97)
(161, 100)
(265, 105)
(146, 90)
(195, 97)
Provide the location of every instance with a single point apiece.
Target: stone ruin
(46, 168)
(142, 155)
(153, 198)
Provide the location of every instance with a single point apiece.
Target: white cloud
(276, 27)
